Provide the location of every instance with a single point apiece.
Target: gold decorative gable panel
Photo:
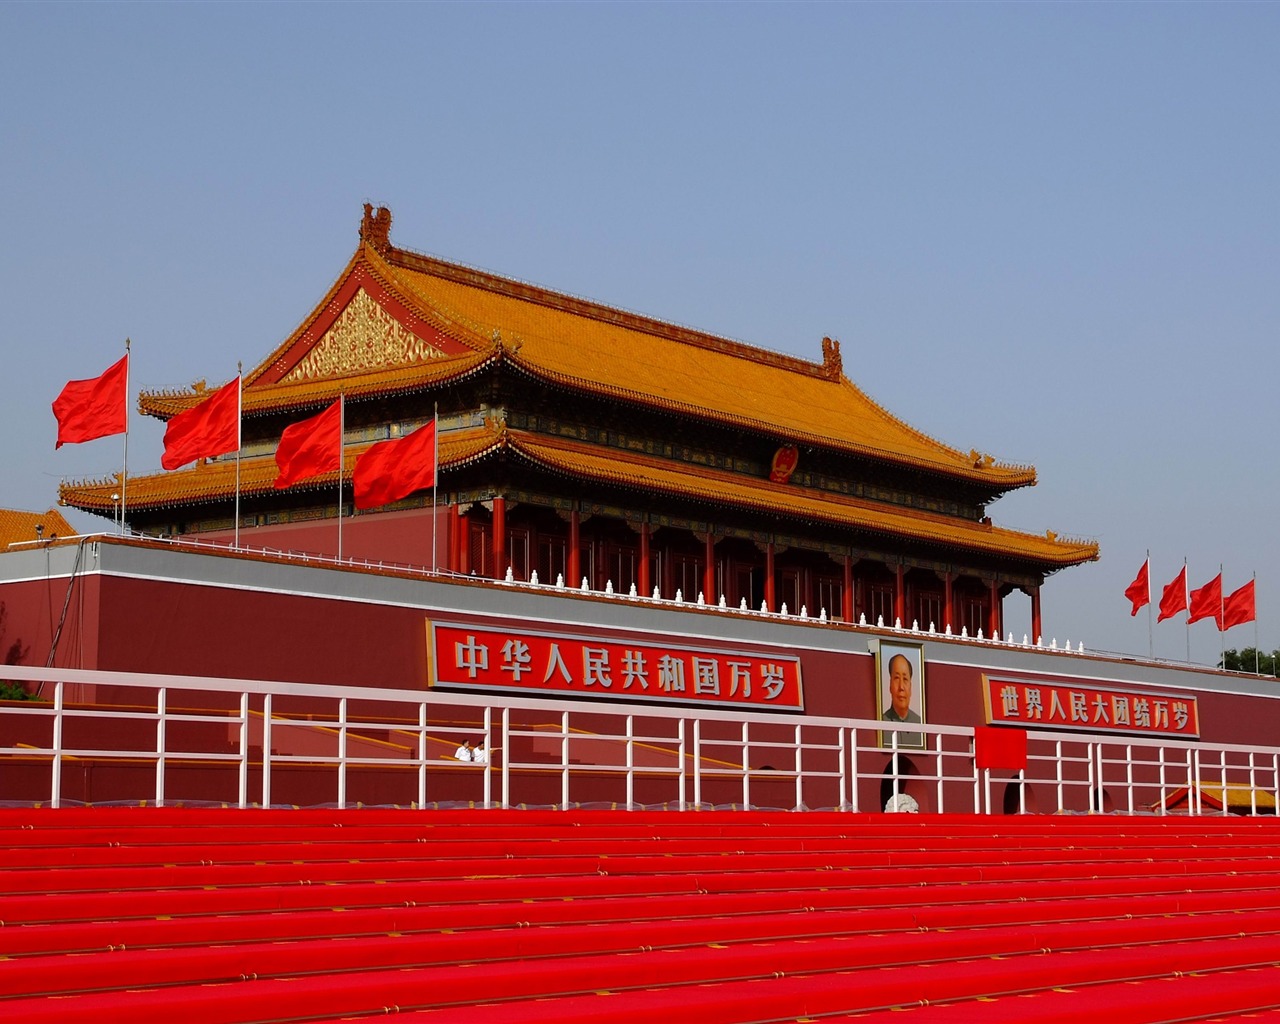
(364, 337)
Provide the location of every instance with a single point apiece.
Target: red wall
(402, 537)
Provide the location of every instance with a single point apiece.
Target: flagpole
(435, 480)
(1186, 603)
(239, 441)
(1257, 660)
(1222, 633)
(342, 429)
(1151, 640)
(124, 476)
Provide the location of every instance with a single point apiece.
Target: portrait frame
(886, 652)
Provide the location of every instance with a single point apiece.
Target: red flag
(210, 428)
(1004, 749)
(392, 470)
(1139, 591)
(1206, 603)
(89, 409)
(1174, 597)
(310, 447)
(1239, 607)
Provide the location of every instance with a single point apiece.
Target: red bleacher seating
(221, 916)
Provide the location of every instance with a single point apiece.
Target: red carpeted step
(125, 968)
(909, 907)
(1251, 994)
(675, 984)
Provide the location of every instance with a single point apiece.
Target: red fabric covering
(861, 915)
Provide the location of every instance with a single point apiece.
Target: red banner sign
(1054, 705)
(538, 663)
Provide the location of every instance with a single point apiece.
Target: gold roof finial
(375, 228)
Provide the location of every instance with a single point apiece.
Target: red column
(846, 610)
(645, 586)
(769, 591)
(948, 602)
(574, 570)
(499, 537)
(464, 543)
(709, 570)
(1036, 634)
(456, 525)
(899, 595)
(994, 626)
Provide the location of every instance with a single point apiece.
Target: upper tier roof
(398, 321)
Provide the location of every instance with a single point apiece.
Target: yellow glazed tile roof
(16, 526)
(585, 345)
(650, 475)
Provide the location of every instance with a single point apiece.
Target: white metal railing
(164, 738)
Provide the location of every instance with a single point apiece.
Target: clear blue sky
(1047, 231)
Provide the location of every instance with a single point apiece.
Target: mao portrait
(900, 692)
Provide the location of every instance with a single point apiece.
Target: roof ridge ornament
(375, 228)
(832, 365)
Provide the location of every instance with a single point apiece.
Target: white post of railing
(937, 770)
(799, 769)
(1128, 756)
(631, 763)
(1163, 797)
(244, 749)
(55, 782)
(342, 753)
(564, 761)
(697, 763)
(856, 776)
(506, 758)
(1193, 782)
(160, 740)
(1022, 792)
(977, 775)
(844, 768)
(1192, 787)
(746, 767)
(422, 755)
(1057, 757)
(1275, 781)
(894, 766)
(986, 789)
(266, 750)
(1253, 788)
(683, 770)
(489, 754)
(1222, 774)
(1095, 789)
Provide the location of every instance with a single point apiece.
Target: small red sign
(1055, 705)
(470, 657)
